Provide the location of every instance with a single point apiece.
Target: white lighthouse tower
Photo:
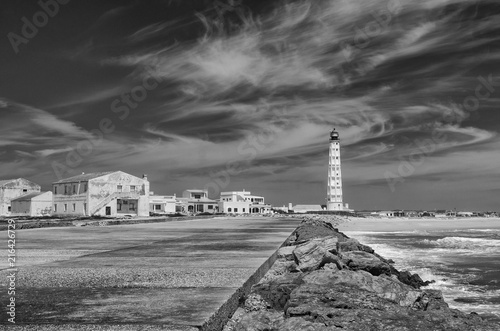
(334, 190)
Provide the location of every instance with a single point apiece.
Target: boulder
(312, 229)
(358, 260)
(279, 268)
(315, 253)
(336, 305)
(353, 245)
(260, 321)
(296, 323)
(273, 321)
(413, 280)
(383, 286)
(286, 253)
(254, 302)
(334, 266)
(277, 291)
(430, 300)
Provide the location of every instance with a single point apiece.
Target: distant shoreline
(416, 224)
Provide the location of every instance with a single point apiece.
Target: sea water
(465, 264)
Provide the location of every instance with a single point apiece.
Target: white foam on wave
(465, 244)
(452, 286)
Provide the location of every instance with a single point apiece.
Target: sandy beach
(410, 224)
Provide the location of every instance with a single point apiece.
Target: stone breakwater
(324, 280)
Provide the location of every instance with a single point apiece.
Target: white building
(114, 193)
(334, 188)
(301, 209)
(33, 204)
(162, 204)
(242, 202)
(14, 188)
(196, 201)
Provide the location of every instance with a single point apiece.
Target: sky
(239, 94)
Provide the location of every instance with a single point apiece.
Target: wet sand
(410, 224)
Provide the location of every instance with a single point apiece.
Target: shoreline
(355, 224)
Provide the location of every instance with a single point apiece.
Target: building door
(108, 211)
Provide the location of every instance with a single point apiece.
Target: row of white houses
(116, 194)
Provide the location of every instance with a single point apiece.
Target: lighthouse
(334, 189)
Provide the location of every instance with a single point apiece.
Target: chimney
(145, 177)
(290, 206)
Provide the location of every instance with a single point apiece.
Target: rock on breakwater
(324, 280)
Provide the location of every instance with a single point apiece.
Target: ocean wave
(459, 294)
(464, 243)
(478, 230)
(449, 260)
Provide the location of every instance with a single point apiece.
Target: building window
(65, 207)
(229, 210)
(132, 188)
(74, 207)
(131, 206)
(157, 207)
(243, 209)
(25, 190)
(85, 207)
(210, 207)
(55, 189)
(9, 208)
(85, 187)
(74, 189)
(197, 196)
(55, 208)
(65, 189)
(119, 206)
(119, 188)
(235, 210)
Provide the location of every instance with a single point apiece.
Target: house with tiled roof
(113, 193)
